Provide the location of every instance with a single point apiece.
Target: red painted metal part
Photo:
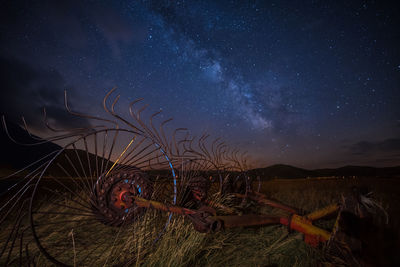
(205, 220)
(262, 199)
(144, 203)
(232, 221)
(312, 234)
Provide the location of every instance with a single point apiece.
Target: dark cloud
(365, 147)
(25, 91)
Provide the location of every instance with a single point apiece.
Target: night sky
(308, 83)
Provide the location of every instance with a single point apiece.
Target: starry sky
(309, 83)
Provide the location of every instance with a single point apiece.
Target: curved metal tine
(113, 113)
(23, 169)
(219, 152)
(191, 143)
(66, 206)
(51, 128)
(132, 159)
(86, 210)
(177, 152)
(15, 203)
(67, 221)
(143, 157)
(95, 155)
(88, 162)
(51, 139)
(3, 120)
(200, 143)
(21, 242)
(244, 160)
(238, 160)
(184, 141)
(114, 247)
(164, 138)
(189, 151)
(86, 115)
(203, 153)
(111, 149)
(148, 132)
(71, 177)
(84, 181)
(70, 191)
(29, 132)
(213, 148)
(16, 229)
(156, 157)
(55, 217)
(140, 112)
(107, 160)
(132, 149)
(73, 166)
(23, 189)
(133, 115)
(102, 169)
(205, 149)
(225, 154)
(232, 157)
(158, 138)
(14, 239)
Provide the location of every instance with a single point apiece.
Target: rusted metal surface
(110, 201)
(312, 234)
(232, 221)
(321, 213)
(261, 199)
(144, 203)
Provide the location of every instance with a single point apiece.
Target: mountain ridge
(16, 156)
(288, 171)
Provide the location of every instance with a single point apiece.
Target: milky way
(308, 83)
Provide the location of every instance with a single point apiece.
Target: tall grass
(181, 245)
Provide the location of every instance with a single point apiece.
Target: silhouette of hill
(16, 156)
(290, 172)
(281, 171)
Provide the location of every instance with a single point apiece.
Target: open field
(181, 245)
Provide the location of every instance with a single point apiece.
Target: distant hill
(16, 156)
(281, 171)
(290, 172)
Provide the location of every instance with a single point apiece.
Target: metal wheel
(81, 210)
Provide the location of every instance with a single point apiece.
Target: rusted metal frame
(144, 203)
(313, 235)
(232, 221)
(268, 202)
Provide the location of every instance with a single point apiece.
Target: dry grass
(181, 245)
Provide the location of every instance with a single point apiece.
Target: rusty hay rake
(103, 179)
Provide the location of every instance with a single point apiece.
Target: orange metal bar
(312, 234)
(318, 214)
(232, 221)
(261, 199)
(144, 203)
